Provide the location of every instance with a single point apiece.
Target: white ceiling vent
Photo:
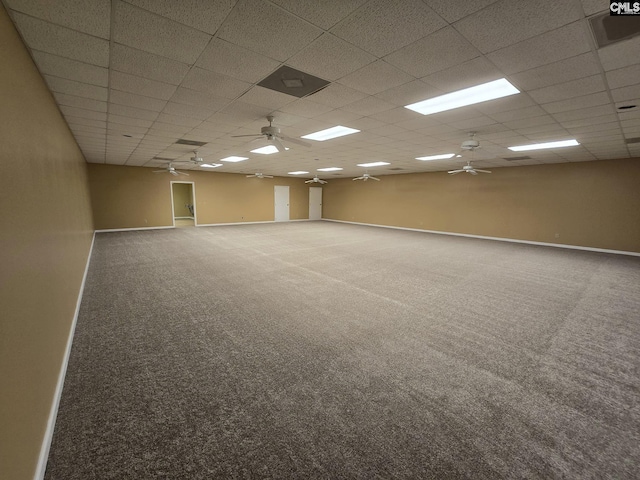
(608, 29)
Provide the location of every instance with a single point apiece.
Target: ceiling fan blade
(308, 181)
(483, 171)
(358, 178)
(182, 173)
(453, 172)
(472, 172)
(250, 176)
(277, 144)
(374, 178)
(159, 171)
(295, 140)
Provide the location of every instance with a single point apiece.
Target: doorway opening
(183, 204)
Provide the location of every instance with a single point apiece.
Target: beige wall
(134, 197)
(590, 204)
(45, 239)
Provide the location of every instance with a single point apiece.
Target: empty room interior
(337, 239)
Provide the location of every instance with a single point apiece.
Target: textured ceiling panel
(190, 70)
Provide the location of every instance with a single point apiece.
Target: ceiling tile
(574, 88)
(137, 101)
(141, 86)
(265, 97)
(149, 32)
(92, 18)
(368, 106)
(235, 61)
(375, 78)
(408, 93)
(581, 113)
(71, 69)
(467, 74)
(70, 87)
(324, 14)
(336, 95)
(147, 65)
(133, 112)
(198, 112)
(80, 102)
(592, 100)
(594, 6)
(193, 97)
(508, 22)
(75, 122)
(82, 113)
(205, 15)
(267, 29)
(439, 50)
(452, 11)
(214, 83)
(179, 120)
(565, 42)
(626, 93)
(624, 77)
(558, 72)
(50, 38)
(330, 58)
(383, 26)
(620, 55)
(136, 122)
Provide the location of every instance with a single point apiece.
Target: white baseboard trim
(499, 239)
(249, 223)
(53, 413)
(132, 229)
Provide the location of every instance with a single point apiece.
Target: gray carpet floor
(324, 350)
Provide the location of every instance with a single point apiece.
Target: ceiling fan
(259, 175)
(316, 180)
(366, 177)
(170, 169)
(470, 145)
(274, 137)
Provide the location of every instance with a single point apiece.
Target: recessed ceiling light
(233, 159)
(437, 157)
(299, 172)
(539, 146)
(329, 133)
(210, 165)
(329, 169)
(373, 164)
(468, 96)
(268, 150)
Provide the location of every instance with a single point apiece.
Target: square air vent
(293, 82)
(193, 143)
(395, 168)
(632, 140)
(511, 159)
(608, 29)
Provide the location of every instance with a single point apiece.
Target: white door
(315, 203)
(281, 197)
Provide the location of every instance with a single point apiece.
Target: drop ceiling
(133, 77)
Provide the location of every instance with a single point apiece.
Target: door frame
(193, 198)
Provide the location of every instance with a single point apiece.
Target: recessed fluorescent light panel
(234, 159)
(210, 165)
(299, 172)
(436, 157)
(468, 96)
(268, 150)
(329, 169)
(373, 164)
(539, 146)
(329, 133)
